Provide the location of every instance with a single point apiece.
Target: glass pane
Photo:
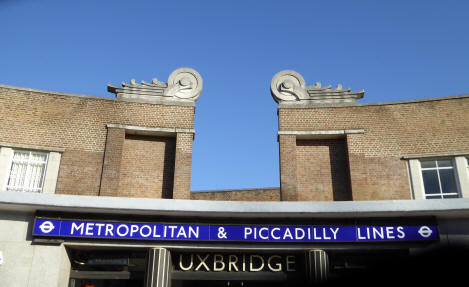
(17, 174)
(428, 163)
(39, 171)
(430, 181)
(445, 163)
(13, 174)
(448, 183)
(33, 179)
(20, 156)
(41, 157)
(434, 197)
(450, 196)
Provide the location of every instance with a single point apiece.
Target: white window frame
(29, 164)
(460, 167)
(437, 168)
(462, 171)
(50, 174)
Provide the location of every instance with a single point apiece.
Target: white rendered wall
(52, 171)
(25, 264)
(6, 154)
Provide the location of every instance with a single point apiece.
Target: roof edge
(32, 202)
(302, 106)
(112, 98)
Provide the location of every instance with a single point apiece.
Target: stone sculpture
(290, 87)
(184, 84)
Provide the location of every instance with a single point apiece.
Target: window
(26, 168)
(27, 171)
(439, 176)
(439, 179)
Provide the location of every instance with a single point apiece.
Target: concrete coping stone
(32, 202)
(150, 130)
(321, 134)
(32, 147)
(430, 155)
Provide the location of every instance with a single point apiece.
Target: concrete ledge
(162, 101)
(32, 147)
(150, 131)
(324, 134)
(31, 202)
(430, 155)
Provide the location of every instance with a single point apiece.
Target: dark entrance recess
(129, 268)
(107, 268)
(242, 279)
(231, 283)
(162, 267)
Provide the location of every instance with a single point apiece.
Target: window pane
(17, 174)
(428, 163)
(430, 181)
(40, 157)
(38, 173)
(450, 196)
(448, 183)
(20, 156)
(445, 163)
(433, 197)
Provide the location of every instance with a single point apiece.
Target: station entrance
(161, 267)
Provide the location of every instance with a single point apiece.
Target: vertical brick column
(182, 166)
(356, 163)
(112, 162)
(288, 182)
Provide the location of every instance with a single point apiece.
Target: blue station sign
(238, 233)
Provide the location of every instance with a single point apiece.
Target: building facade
(96, 191)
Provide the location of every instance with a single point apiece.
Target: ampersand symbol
(221, 233)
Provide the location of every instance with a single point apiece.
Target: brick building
(99, 188)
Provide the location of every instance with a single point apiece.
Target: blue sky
(395, 50)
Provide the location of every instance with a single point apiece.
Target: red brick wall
(322, 170)
(256, 194)
(147, 167)
(183, 166)
(80, 172)
(393, 130)
(288, 167)
(112, 162)
(377, 178)
(78, 125)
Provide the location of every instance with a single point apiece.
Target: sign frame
(51, 227)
